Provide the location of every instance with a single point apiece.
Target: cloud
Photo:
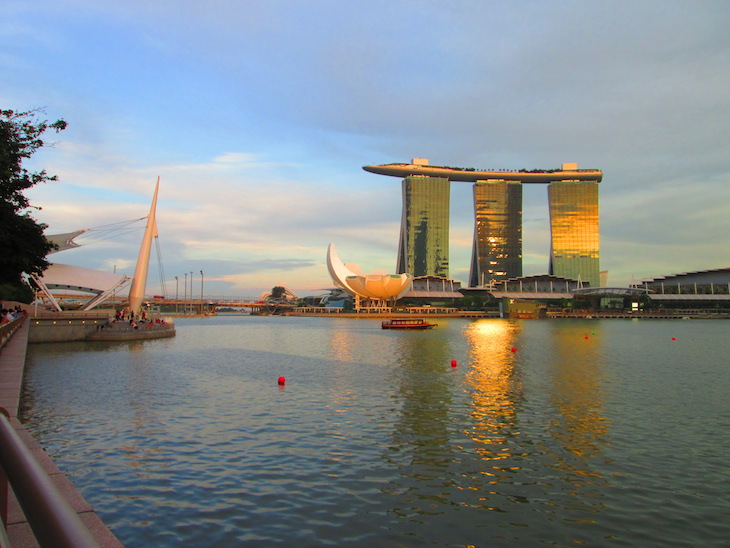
(259, 134)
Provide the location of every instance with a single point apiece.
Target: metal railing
(8, 329)
(53, 521)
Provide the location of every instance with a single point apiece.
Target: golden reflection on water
(492, 375)
(342, 344)
(577, 375)
(576, 369)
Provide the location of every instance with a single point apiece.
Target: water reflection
(576, 367)
(378, 441)
(496, 387)
(496, 391)
(420, 446)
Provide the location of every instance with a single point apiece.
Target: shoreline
(587, 315)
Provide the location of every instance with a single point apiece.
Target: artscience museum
(378, 288)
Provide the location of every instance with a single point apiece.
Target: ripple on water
(376, 440)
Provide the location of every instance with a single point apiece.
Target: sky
(258, 115)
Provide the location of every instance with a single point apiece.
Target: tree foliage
(23, 247)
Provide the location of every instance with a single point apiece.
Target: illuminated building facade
(423, 249)
(574, 237)
(497, 249)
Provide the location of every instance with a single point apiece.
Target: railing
(8, 329)
(53, 521)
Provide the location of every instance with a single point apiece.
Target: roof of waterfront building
(77, 278)
(65, 241)
(717, 275)
(420, 167)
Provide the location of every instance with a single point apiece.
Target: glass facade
(497, 249)
(574, 237)
(423, 249)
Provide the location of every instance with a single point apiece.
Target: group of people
(9, 314)
(135, 320)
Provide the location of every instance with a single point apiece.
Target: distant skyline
(258, 117)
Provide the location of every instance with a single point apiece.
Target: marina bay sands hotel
(497, 250)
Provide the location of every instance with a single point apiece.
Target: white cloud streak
(257, 117)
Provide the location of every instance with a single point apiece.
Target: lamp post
(192, 306)
(185, 297)
(201, 292)
(177, 290)
(114, 293)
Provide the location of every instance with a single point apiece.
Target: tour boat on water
(407, 323)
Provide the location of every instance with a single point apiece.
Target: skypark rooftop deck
(472, 175)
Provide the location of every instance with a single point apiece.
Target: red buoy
(282, 381)
(674, 338)
(453, 363)
(514, 349)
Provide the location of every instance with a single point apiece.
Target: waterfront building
(423, 248)
(699, 289)
(376, 289)
(574, 237)
(497, 248)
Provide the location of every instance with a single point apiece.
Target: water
(597, 432)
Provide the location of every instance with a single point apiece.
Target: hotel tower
(497, 249)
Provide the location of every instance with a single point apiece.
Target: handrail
(53, 521)
(8, 329)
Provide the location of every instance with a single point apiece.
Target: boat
(407, 323)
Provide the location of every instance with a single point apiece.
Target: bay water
(544, 432)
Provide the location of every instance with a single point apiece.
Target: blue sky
(259, 115)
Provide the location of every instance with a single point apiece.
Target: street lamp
(192, 306)
(177, 291)
(201, 292)
(185, 297)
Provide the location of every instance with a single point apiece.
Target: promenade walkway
(12, 367)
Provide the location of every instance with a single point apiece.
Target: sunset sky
(258, 116)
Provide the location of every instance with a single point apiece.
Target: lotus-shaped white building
(378, 287)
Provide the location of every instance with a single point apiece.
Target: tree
(278, 292)
(23, 247)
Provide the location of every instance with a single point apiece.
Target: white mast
(136, 291)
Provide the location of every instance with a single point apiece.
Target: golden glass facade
(574, 237)
(423, 249)
(497, 249)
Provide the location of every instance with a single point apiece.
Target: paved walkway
(12, 366)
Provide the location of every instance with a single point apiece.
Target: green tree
(278, 292)
(23, 247)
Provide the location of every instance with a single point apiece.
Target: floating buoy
(586, 336)
(453, 363)
(674, 338)
(282, 381)
(513, 349)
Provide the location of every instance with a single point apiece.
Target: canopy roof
(76, 278)
(65, 241)
(64, 276)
